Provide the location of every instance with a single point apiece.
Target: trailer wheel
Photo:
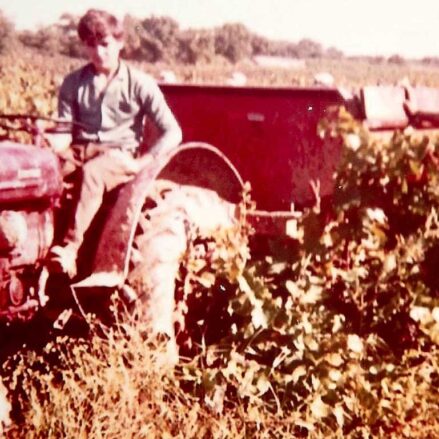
(170, 214)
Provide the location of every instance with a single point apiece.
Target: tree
(430, 61)
(70, 44)
(260, 45)
(7, 32)
(46, 40)
(307, 48)
(233, 41)
(132, 41)
(58, 38)
(333, 53)
(396, 59)
(159, 38)
(196, 46)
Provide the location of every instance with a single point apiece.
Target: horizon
(357, 28)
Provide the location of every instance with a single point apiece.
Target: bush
(341, 339)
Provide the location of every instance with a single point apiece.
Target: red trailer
(269, 134)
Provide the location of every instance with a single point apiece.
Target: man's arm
(158, 111)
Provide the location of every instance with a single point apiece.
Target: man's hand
(59, 142)
(125, 159)
(145, 160)
(132, 165)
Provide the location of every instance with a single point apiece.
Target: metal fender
(194, 163)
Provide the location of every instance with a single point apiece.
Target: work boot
(62, 259)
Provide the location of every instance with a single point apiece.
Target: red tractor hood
(28, 173)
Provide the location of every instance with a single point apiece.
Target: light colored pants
(103, 169)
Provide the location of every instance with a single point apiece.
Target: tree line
(160, 39)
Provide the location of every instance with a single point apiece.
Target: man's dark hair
(96, 25)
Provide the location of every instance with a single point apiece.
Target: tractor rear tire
(170, 215)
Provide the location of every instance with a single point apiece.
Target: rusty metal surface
(270, 223)
(269, 134)
(28, 173)
(22, 312)
(196, 164)
(26, 235)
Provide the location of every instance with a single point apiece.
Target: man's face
(104, 55)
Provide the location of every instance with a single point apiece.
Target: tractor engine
(30, 187)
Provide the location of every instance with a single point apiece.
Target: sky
(357, 27)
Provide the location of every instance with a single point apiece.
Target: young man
(110, 101)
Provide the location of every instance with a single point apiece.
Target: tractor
(266, 136)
